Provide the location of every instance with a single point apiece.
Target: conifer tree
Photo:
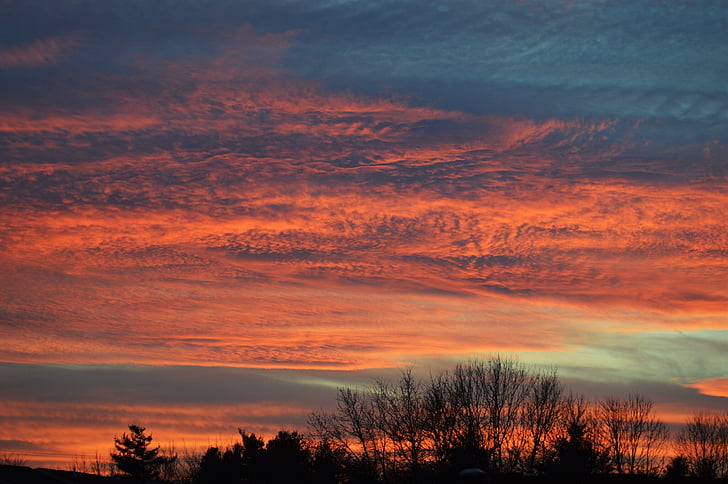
(135, 457)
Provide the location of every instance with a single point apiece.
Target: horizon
(100, 445)
(295, 196)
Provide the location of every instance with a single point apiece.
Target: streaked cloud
(717, 387)
(38, 53)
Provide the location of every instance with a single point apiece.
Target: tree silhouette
(212, 469)
(704, 443)
(577, 454)
(285, 458)
(543, 408)
(327, 462)
(288, 458)
(135, 458)
(401, 416)
(241, 462)
(678, 468)
(251, 452)
(632, 433)
(496, 415)
(354, 428)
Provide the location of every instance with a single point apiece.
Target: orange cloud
(236, 215)
(40, 52)
(716, 387)
(27, 121)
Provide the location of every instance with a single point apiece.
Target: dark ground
(26, 475)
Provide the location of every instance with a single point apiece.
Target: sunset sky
(215, 212)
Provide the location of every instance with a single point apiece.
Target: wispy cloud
(717, 387)
(38, 53)
(256, 179)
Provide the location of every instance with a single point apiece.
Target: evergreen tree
(577, 454)
(288, 458)
(252, 457)
(135, 458)
(678, 468)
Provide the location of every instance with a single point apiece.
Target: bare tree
(493, 414)
(654, 442)
(506, 386)
(355, 429)
(442, 420)
(95, 466)
(466, 392)
(170, 468)
(402, 417)
(190, 462)
(612, 418)
(541, 412)
(12, 460)
(633, 435)
(476, 410)
(703, 441)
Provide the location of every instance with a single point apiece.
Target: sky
(213, 213)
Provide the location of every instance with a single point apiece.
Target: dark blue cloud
(659, 59)
(636, 59)
(186, 385)
(599, 59)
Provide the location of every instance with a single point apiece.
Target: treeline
(502, 417)
(497, 415)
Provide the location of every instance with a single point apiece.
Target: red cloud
(716, 387)
(244, 198)
(39, 53)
